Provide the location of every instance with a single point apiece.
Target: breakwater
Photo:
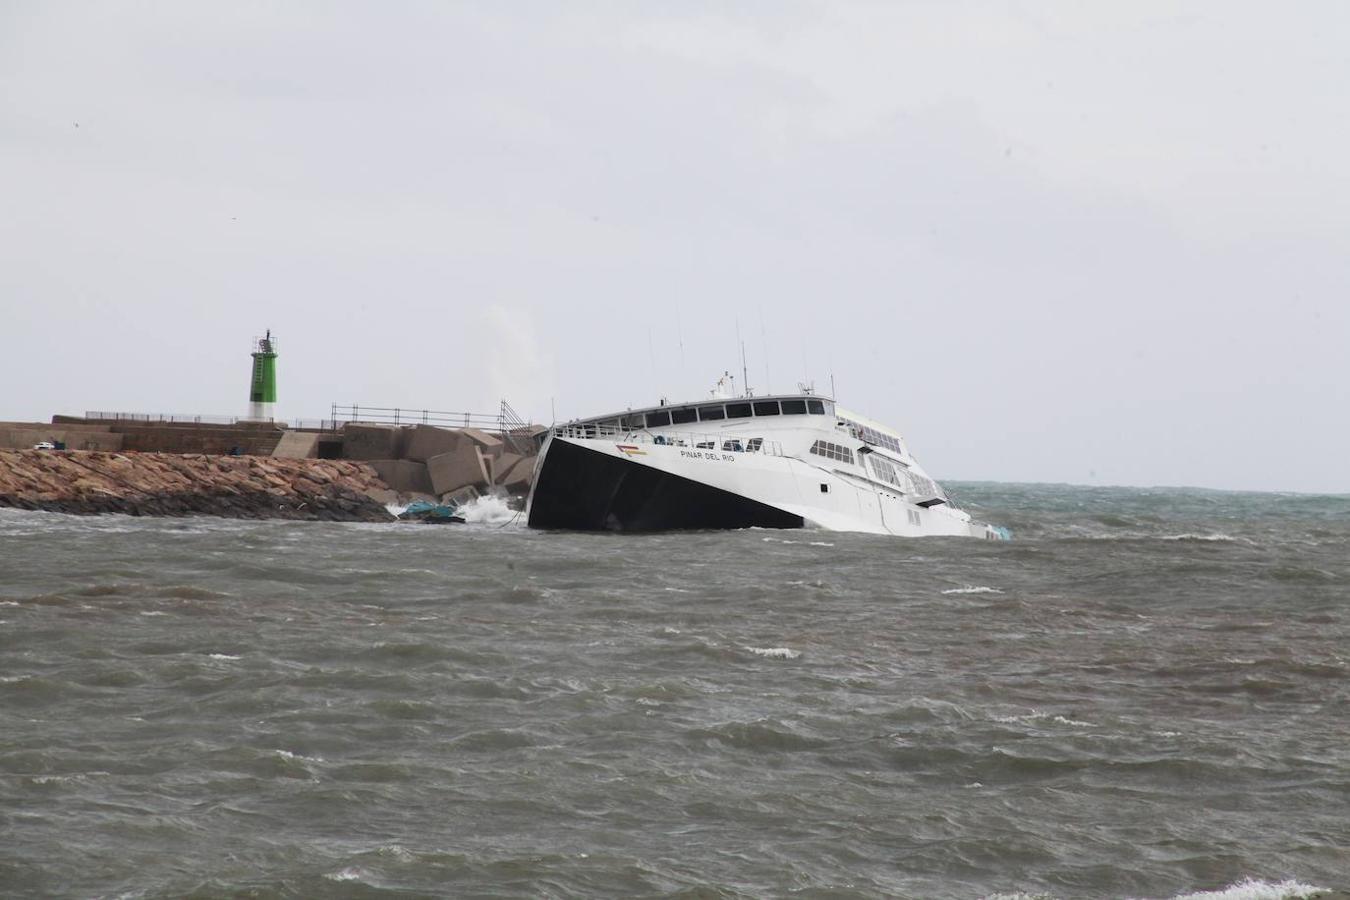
(166, 484)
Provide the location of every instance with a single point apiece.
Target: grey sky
(1101, 242)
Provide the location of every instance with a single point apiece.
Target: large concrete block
(503, 464)
(426, 441)
(403, 475)
(490, 443)
(517, 479)
(465, 466)
(372, 442)
(298, 445)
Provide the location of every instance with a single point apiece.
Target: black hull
(583, 490)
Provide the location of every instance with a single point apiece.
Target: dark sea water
(1145, 694)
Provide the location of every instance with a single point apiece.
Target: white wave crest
(488, 510)
(774, 652)
(286, 754)
(223, 656)
(1254, 889)
(1037, 715)
(1187, 536)
(351, 873)
(1074, 722)
(973, 589)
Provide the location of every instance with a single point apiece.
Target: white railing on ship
(693, 440)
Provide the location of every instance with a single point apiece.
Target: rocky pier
(168, 484)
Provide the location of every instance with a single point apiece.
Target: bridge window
(682, 415)
(657, 419)
(794, 407)
(766, 408)
(738, 410)
(709, 413)
(815, 407)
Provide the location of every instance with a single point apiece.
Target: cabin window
(815, 407)
(794, 407)
(682, 415)
(885, 471)
(832, 451)
(732, 446)
(657, 419)
(704, 445)
(824, 488)
(708, 413)
(738, 410)
(630, 422)
(766, 408)
(753, 445)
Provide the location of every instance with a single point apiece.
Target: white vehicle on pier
(780, 461)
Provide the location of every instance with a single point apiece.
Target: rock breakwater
(166, 484)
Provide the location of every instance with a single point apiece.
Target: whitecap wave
(351, 873)
(1074, 722)
(775, 652)
(1037, 715)
(286, 754)
(488, 510)
(223, 656)
(1254, 889)
(973, 589)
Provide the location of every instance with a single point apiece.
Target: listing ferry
(780, 461)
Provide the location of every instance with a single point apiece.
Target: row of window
(682, 415)
(872, 436)
(886, 472)
(832, 451)
(734, 445)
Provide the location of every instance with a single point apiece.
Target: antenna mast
(745, 373)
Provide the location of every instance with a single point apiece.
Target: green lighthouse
(262, 395)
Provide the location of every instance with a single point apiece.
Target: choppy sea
(1145, 694)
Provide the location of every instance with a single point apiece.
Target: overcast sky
(1086, 242)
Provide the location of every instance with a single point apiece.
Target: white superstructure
(785, 461)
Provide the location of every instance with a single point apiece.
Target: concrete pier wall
(414, 460)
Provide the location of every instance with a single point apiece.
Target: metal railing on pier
(394, 415)
(506, 424)
(172, 418)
